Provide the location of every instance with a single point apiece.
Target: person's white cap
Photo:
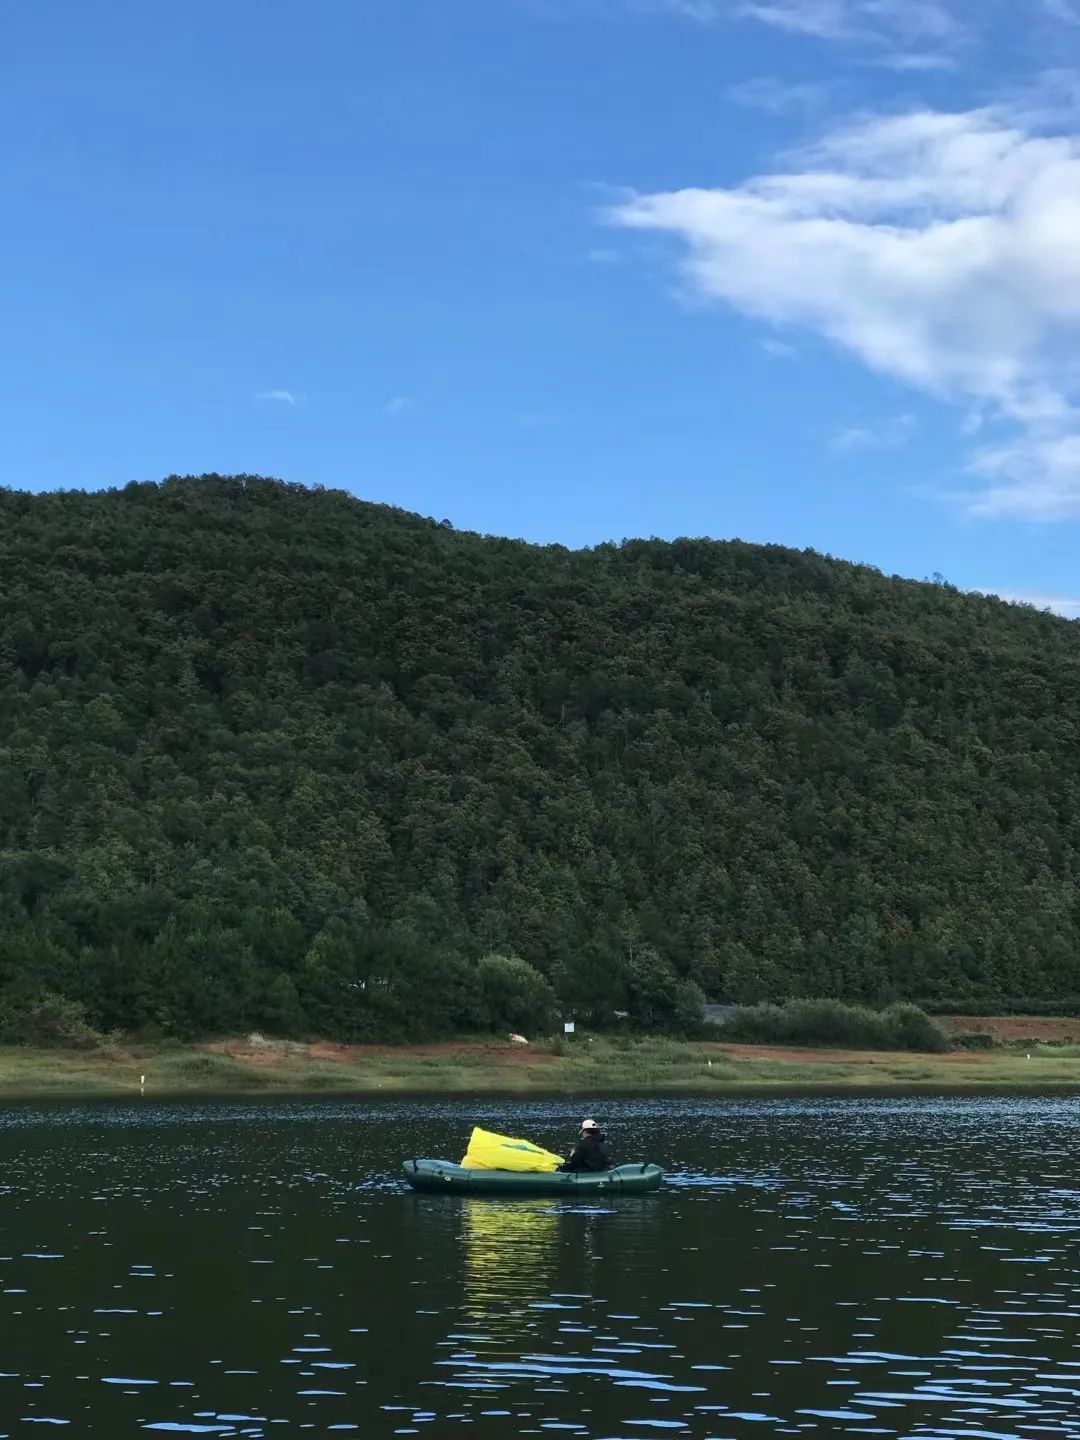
(589, 1125)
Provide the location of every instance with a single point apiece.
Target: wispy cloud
(824, 19)
(1036, 475)
(889, 22)
(1064, 10)
(940, 250)
(279, 397)
(919, 26)
(778, 97)
(399, 405)
(777, 349)
(890, 434)
(917, 62)
(601, 255)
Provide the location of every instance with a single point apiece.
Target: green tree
(514, 995)
(276, 757)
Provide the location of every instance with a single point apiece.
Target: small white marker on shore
(142, 1084)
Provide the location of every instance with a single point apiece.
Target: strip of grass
(602, 1067)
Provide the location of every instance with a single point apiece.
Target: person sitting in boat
(590, 1152)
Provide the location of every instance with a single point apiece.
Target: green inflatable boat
(446, 1178)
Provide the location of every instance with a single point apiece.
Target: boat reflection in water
(510, 1252)
(522, 1262)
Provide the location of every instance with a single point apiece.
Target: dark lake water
(854, 1267)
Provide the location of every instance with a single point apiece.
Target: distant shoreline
(647, 1066)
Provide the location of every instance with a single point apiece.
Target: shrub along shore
(51, 1049)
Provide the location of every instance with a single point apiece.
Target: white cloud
(877, 21)
(891, 434)
(942, 250)
(777, 349)
(1037, 475)
(918, 62)
(825, 19)
(778, 97)
(399, 405)
(893, 24)
(279, 397)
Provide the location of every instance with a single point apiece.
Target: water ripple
(860, 1267)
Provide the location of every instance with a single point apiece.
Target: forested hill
(277, 758)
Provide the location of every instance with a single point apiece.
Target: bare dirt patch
(272, 1053)
(466, 1051)
(263, 1057)
(1043, 1029)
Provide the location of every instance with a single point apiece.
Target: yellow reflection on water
(510, 1253)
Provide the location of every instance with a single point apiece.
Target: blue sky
(804, 271)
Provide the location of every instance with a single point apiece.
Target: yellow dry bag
(498, 1152)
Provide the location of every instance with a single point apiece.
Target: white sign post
(568, 1027)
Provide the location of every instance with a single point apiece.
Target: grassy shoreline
(598, 1067)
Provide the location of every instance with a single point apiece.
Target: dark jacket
(590, 1153)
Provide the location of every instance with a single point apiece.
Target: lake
(832, 1267)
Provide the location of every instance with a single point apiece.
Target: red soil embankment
(269, 1053)
(1042, 1029)
(1016, 1029)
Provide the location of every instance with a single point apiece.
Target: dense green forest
(277, 758)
